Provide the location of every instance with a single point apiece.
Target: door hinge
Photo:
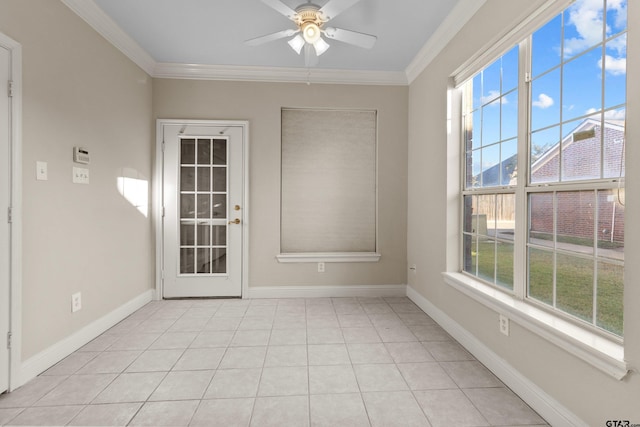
(10, 215)
(163, 146)
(163, 212)
(9, 335)
(10, 88)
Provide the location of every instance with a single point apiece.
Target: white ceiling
(192, 36)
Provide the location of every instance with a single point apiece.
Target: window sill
(600, 352)
(329, 257)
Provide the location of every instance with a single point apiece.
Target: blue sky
(576, 94)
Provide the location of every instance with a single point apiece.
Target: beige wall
(260, 104)
(590, 394)
(78, 90)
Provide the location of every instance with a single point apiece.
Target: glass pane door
(203, 201)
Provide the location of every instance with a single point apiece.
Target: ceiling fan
(310, 20)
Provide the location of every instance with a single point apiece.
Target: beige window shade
(328, 181)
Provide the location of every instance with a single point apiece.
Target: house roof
(588, 124)
(504, 172)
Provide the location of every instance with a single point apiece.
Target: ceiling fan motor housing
(309, 13)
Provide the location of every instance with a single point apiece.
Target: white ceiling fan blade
(334, 8)
(270, 37)
(310, 57)
(352, 37)
(278, 6)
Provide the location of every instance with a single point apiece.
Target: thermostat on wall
(81, 155)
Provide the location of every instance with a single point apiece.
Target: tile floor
(285, 362)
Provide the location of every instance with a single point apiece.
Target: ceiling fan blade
(334, 8)
(278, 6)
(270, 37)
(310, 57)
(352, 37)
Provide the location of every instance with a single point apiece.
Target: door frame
(15, 247)
(158, 196)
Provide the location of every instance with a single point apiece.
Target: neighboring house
(573, 157)
(576, 156)
(501, 174)
(574, 153)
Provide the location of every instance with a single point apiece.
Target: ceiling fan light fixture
(321, 46)
(310, 20)
(297, 43)
(310, 32)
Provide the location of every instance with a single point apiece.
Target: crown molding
(459, 16)
(278, 74)
(107, 28)
(89, 11)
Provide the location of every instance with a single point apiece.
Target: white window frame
(601, 350)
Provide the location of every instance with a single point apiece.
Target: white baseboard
(328, 291)
(549, 408)
(42, 361)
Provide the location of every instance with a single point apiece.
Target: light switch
(80, 175)
(41, 171)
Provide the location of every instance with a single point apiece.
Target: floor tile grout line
(340, 327)
(255, 399)
(306, 322)
(360, 393)
(125, 370)
(475, 406)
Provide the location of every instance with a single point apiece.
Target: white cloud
(619, 44)
(544, 101)
(608, 115)
(620, 114)
(620, 6)
(614, 66)
(586, 16)
(493, 95)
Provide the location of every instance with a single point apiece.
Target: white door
(5, 231)
(203, 209)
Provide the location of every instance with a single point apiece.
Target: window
(490, 120)
(563, 161)
(328, 181)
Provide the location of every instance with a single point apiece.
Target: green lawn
(602, 244)
(574, 293)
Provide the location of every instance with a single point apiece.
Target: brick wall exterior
(581, 159)
(576, 210)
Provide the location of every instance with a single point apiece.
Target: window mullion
(555, 248)
(596, 222)
(520, 236)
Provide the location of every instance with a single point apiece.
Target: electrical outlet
(76, 302)
(321, 267)
(504, 325)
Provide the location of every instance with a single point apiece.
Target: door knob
(235, 221)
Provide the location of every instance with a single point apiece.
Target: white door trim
(15, 281)
(158, 204)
